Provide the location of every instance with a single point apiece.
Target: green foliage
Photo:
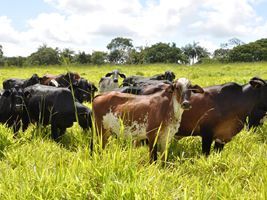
(1, 56)
(194, 52)
(251, 52)
(221, 55)
(1, 51)
(98, 57)
(83, 58)
(15, 61)
(66, 56)
(119, 50)
(45, 56)
(163, 53)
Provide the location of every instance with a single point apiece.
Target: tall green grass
(35, 167)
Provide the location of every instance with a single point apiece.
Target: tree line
(121, 51)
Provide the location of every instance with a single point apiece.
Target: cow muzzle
(18, 107)
(186, 105)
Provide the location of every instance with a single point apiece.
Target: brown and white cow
(155, 117)
(221, 111)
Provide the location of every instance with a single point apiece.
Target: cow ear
(6, 93)
(108, 74)
(122, 75)
(173, 75)
(257, 83)
(197, 89)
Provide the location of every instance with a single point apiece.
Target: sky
(89, 25)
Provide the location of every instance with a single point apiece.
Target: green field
(35, 167)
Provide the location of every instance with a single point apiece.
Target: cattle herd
(155, 109)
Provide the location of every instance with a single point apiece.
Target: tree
(194, 52)
(221, 54)
(162, 53)
(251, 52)
(67, 56)
(15, 61)
(45, 56)
(231, 43)
(1, 56)
(83, 58)
(119, 50)
(1, 51)
(99, 57)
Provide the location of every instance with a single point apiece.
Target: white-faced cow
(144, 115)
(110, 81)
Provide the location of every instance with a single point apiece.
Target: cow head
(12, 101)
(183, 90)
(169, 75)
(84, 90)
(32, 81)
(260, 85)
(70, 78)
(115, 75)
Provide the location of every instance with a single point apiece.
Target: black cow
(11, 106)
(21, 83)
(110, 81)
(259, 113)
(168, 76)
(221, 111)
(145, 88)
(56, 106)
(83, 90)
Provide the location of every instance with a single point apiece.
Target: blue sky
(88, 25)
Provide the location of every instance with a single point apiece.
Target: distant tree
(67, 56)
(1, 56)
(15, 61)
(136, 56)
(83, 58)
(99, 57)
(231, 43)
(251, 52)
(45, 56)
(1, 51)
(195, 52)
(119, 50)
(162, 53)
(221, 54)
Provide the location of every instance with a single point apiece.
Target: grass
(35, 167)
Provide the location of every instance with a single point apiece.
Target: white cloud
(91, 24)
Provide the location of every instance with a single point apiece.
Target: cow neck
(251, 97)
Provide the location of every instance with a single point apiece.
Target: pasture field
(35, 167)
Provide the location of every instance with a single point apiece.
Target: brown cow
(221, 111)
(155, 117)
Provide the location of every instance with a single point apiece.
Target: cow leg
(62, 131)
(54, 132)
(206, 144)
(85, 121)
(218, 146)
(152, 149)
